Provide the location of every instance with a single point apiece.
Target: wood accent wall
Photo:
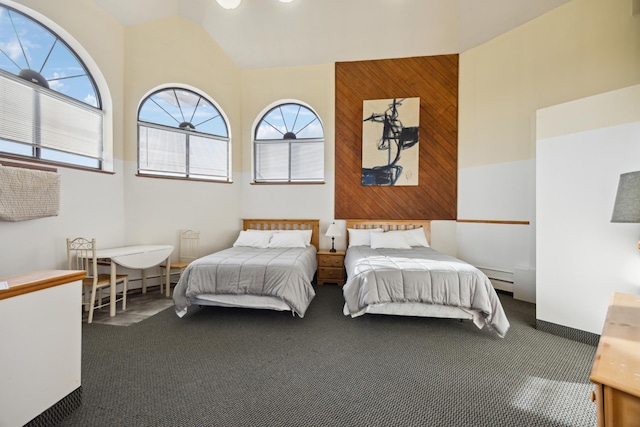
(435, 80)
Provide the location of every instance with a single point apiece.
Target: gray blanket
(284, 273)
(419, 275)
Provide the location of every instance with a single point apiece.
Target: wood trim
(31, 282)
(492, 221)
(390, 225)
(286, 224)
(35, 162)
(182, 178)
(27, 166)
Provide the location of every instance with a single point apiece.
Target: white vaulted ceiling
(267, 33)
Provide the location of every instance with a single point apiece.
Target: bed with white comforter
(267, 268)
(387, 277)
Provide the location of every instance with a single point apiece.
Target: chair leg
(169, 281)
(91, 304)
(85, 298)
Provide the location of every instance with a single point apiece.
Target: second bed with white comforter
(419, 276)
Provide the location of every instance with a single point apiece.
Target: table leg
(168, 291)
(112, 291)
(144, 281)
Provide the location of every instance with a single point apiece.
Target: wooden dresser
(616, 368)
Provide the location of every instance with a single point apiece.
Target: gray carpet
(240, 367)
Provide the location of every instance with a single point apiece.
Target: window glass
(33, 52)
(289, 145)
(182, 134)
(49, 103)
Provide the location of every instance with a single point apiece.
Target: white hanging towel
(28, 194)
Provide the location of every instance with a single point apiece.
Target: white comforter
(283, 273)
(421, 275)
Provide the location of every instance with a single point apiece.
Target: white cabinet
(41, 336)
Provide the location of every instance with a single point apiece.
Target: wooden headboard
(387, 225)
(286, 224)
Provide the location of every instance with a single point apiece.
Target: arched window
(289, 145)
(182, 134)
(49, 103)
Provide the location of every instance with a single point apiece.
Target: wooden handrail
(492, 221)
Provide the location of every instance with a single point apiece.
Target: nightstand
(331, 267)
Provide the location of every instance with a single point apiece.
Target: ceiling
(267, 33)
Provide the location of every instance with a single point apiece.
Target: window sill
(30, 163)
(181, 178)
(290, 183)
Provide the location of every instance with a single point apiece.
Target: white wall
(91, 204)
(582, 48)
(582, 258)
(506, 192)
(157, 209)
(579, 49)
(315, 87)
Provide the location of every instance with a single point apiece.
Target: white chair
(81, 255)
(189, 251)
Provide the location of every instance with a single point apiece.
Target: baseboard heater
(521, 282)
(501, 280)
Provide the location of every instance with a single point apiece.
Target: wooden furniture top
(36, 281)
(286, 224)
(617, 360)
(390, 225)
(328, 252)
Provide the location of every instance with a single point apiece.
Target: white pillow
(287, 240)
(269, 232)
(253, 239)
(390, 239)
(416, 237)
(306, 234)
(361, 236)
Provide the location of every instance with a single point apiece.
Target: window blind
(173, 152)
(38, 117)
(289, 161)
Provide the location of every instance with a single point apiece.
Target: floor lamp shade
(627, 205)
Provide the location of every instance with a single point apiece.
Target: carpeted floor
(241, 367)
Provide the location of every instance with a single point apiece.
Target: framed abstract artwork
(390, 142)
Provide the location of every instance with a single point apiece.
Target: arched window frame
(287, 168)
(39, 122)
(169, 164)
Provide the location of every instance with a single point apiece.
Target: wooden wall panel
(435, 80)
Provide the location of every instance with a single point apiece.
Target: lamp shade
(333, 230)
(627, 206)
(229, 4)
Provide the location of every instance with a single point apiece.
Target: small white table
(138, 257)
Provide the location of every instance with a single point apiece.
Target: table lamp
(627, 205)
(333, 231)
